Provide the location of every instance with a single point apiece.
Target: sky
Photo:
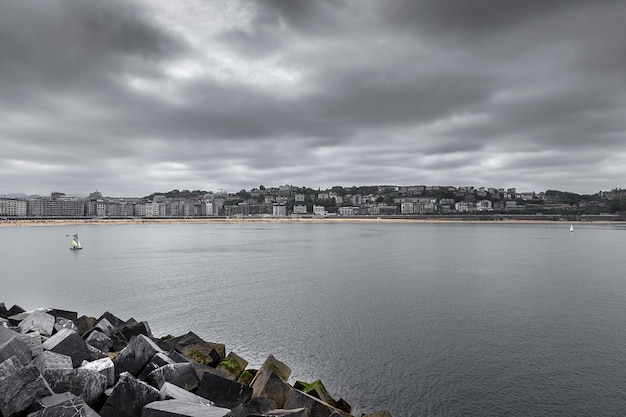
(131, 97)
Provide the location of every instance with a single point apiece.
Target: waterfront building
(13, 207)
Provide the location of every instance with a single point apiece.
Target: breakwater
(56, 363)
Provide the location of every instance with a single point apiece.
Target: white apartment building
(280, 210)
(12, 207)
(299, 209)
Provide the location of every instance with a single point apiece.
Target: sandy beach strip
(239, 220)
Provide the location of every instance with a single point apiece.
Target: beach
(223, 220)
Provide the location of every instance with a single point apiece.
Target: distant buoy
(571, 228)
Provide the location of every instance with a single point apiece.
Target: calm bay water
(421, 319)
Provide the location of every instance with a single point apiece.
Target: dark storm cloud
(314, 93)
(71, 44)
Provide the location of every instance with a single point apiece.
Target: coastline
(239, 220)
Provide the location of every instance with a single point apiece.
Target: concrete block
(10, 366)
(128, 397)
(62, 405)
(180, 374)
(157, 361)
(223, 392)
(99, 340)
(37, 321)
(68, 342)
(102, 366)
(269, 385)
(21, 389)
(172, 392)
(17, 347)
(136, 355)
(85, 383)
(233, 365)
(52, 360)
(175, 408)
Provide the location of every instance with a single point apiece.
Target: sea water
(420, 319)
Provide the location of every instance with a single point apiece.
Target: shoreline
(239, 220)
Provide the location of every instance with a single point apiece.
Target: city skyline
(136, 97)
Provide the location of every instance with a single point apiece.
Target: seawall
(55, 362)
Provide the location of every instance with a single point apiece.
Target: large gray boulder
(61, 323)
(87, 384)
(180, 374)
(274, 365)
(194, 347)
(104, 367)
(17, 347)
(99, 340)
(62, 405)
(52, 360)
(223, 392)
(136, 355)
(37, 321)
(21, 389)
(128, 397)
(10, 366)
(268, 384)
(68, 342)
(233, 365)
(172, 392)
(157, 361)
(175, 408)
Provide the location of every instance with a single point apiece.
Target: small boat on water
(75, 244)
(571, 228)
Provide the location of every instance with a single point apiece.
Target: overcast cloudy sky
(136, 96)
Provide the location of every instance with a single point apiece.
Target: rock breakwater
(55, 363)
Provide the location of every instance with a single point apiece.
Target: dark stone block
(177, 357)
(6, 334)
(65, 314)
(62, 405)
(10, 366)
(196, 348)
(87, 384)
(99, 340)
(128, 397)
(4, 313)
(276, 366)
(104, 367)
(114, 320)
(269, 385)
(129, 331)
(180, 374)
(157, 361)
(37, 321)
(15, 310)
(85, 324)
(314, 406)
(34, 342)
(18, 348)
(222, 391)
(175, 408)
(233, 365)
(172, 392)
(256, 406)
(105, 326)
(52, 360)
(21, 389)
(68, 342)
(63, 323)
(136, 355)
